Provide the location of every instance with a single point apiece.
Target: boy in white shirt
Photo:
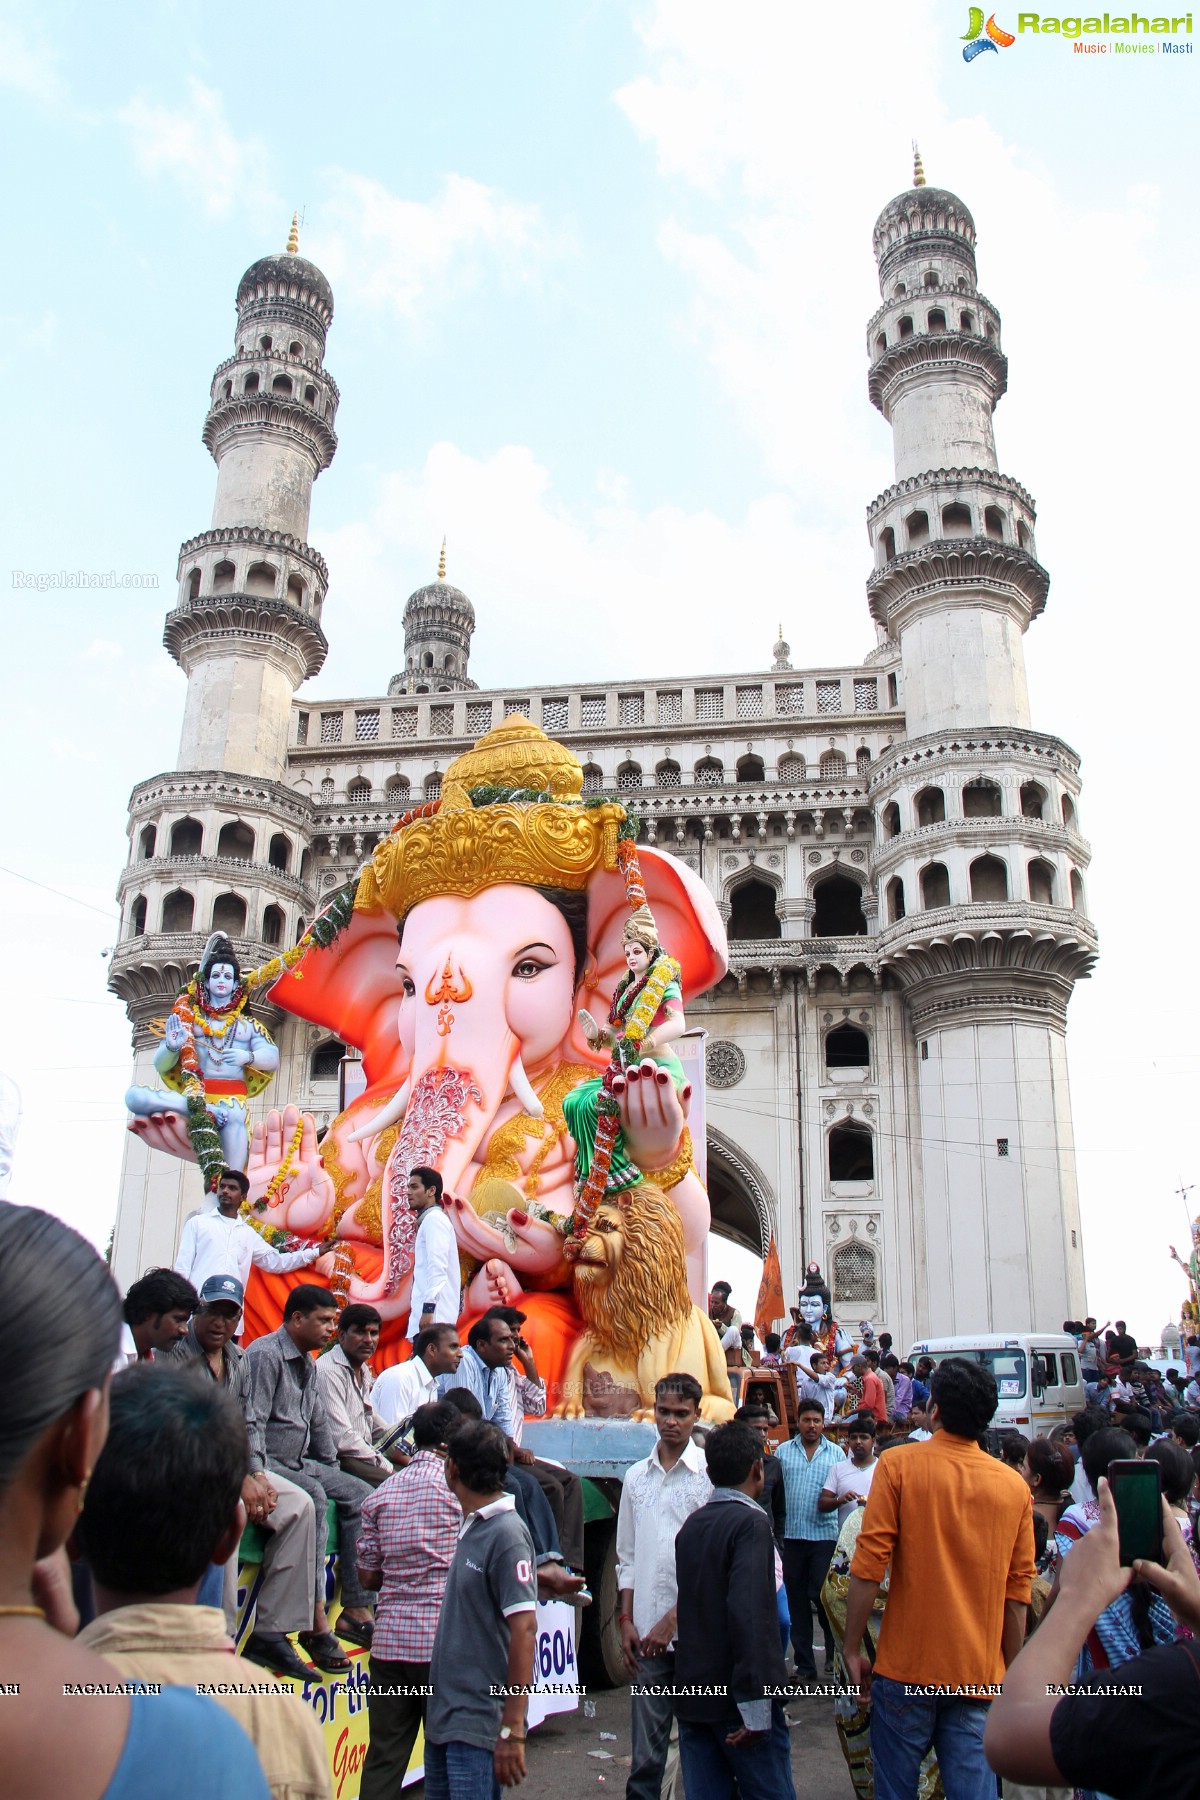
(820, 1384)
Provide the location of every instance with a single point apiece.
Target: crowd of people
(966, 1585)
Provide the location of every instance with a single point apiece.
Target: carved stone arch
(743, 1207)
(824, 870)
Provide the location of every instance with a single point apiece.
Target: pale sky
(602, 275)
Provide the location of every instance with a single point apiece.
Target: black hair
(428, 1178)
(809, 1406)
(683, 1387)
(463, 1401)
(1090, 1420)
(891, 1361)
(747, 1331)
(166, 1485)
(481, 1330)
(479, 1452)
(753, 1409)
(306, 1299)
(1138, 1425)
(430, 1335)
(1108, 1445)
(885, 1337)
(159, 1291)
(243, 1181)
(1041, 1534)
(357, 1314)
(511, 1317)
(731, 1451)
(865, 1423)
(432, 1424)
(574, 910)
(772, 1343)
(1178, 1472)
(908, 1368)
(40, 1256)
(1186, 1427)
(1054, 1463)
(720, 1287)
(219, 950)
(965, 1395)
(1014, 1447)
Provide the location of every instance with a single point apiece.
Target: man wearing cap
(221, 1242)
(282, 1510)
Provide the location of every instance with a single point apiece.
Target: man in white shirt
(344, 1378)
(849, 1482)
(658, 1494)
(920, 1421)
(221, 1242)
(436, 1276)
(399, 1391)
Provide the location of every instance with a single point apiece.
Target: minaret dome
(438, 624)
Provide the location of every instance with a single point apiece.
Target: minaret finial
(293, 243)
(442, 562)
(918, 169)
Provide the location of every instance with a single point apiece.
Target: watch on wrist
(507, 1733)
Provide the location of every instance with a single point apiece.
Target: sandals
(357, 1631)
(324, 1650)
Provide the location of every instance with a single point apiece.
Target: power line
(46, 889)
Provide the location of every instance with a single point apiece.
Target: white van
(1037, 1373)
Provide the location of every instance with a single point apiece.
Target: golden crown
(462, 848)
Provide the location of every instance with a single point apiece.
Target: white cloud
(27, 67)
(395, 253)
(570, 594)
(195, 145)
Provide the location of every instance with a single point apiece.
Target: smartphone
(1137, 1495)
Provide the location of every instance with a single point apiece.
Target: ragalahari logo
(976, 42)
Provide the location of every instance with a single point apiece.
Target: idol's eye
(528, 968)
(407, 983)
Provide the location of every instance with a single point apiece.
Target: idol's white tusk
(392, 1112)
(522, 1087)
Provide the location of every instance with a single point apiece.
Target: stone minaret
(979, 857)
(438, 624)
(222, 842)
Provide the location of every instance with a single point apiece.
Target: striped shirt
(803, 1479)
(410, 1528)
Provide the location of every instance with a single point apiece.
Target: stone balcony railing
(235, 871)
(1048, 834)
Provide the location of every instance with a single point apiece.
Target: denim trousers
(715, 1770)
(652, 1717)
(459, 1772)
(905, 1726)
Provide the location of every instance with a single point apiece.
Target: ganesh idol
(484, 929)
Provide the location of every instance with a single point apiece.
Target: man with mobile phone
(1129, 1733)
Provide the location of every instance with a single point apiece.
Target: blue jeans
(459, 1772)
(905, 1726)
(715, 1770)
(652, 1716)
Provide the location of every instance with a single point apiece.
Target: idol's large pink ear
(354, 989)
(689, 926)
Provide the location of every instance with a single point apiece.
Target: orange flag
(769, 1307)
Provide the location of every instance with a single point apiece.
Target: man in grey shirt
(298, 1444)
(483, 1653)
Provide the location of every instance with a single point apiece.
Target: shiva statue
(213, 1058)
(815, 1305)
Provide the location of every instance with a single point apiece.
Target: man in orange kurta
(955, 1528)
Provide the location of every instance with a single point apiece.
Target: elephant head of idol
(482, 924)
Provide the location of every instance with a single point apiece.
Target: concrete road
(573, 1754)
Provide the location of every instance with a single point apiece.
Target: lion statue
(639, 1321)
